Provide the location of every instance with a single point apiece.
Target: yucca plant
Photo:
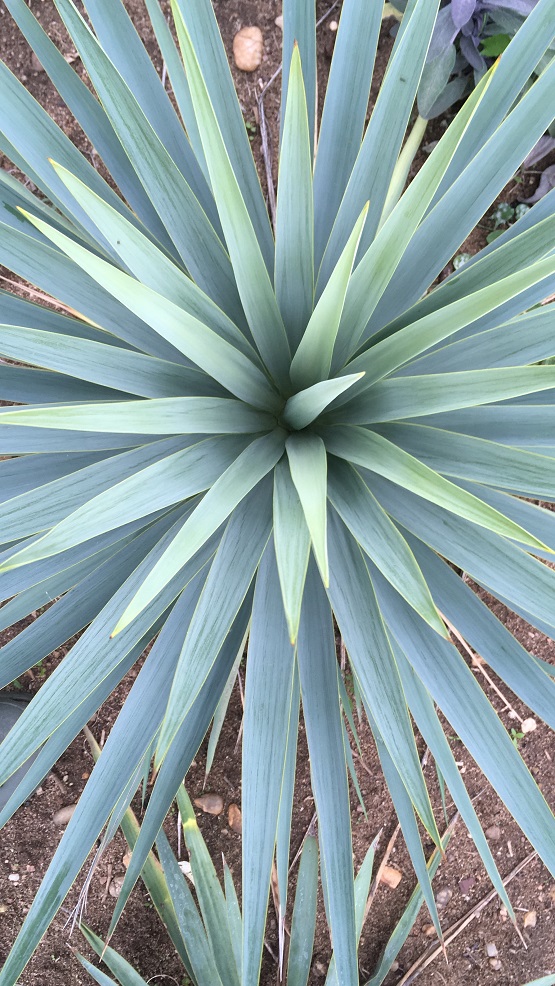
(207, 934)
(240, 434)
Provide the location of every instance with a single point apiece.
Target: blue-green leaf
(381, 540)
(303, 922)
(209, 893)
(230, 576)
(357, 612)
(322, 714)
(299, 27)
(224, 495)
(251, 274)
(308, 464)
(268, 689)
(292, 544)
(294, 277)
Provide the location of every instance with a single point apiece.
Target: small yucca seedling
(207, 936)
(241, 435)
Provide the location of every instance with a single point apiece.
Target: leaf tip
(439, 625)
(125, 619)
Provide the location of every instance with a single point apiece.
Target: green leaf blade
(308, 465)
(312, 360)
(370, 450)
(253, 281)
(322, 712)
(382, 541)
(294, 277)
(230, 577)
(209, 892)
(268, 693)
(258, 459)
(167, 416)
(292, 544)
(189, 335)
(303, 408)
(361, 623)
(303, 922)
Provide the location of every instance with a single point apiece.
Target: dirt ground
(29, 841)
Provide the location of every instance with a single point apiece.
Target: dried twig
(381, 868)
(311, 830)
(107, 884)
(242, 694)
(59, 782)
(478, 663)
(432, 953)
(239, 735)
(40, 296)
(266, 139)
(342, 655)
(270, 950)
(325, 16)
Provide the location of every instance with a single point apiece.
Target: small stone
(185, 867)
(63, 816)
(491, 950)
(394, 966)
(503, 912)
(126, 860)
(14, 877)
(493, 833)
(495, 964)
(234, 818)
(279, 22)
(85, 775)
(429, 930)
(248, 48)
(333, 25)
(443, 897)
(552, 893)
(4, 908)
(36, 66)
(115, 886)
(391, 877)
(466, 884)
(212, 804)
(528, 726)
(530, 919)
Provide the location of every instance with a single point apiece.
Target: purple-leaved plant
(468, 36)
